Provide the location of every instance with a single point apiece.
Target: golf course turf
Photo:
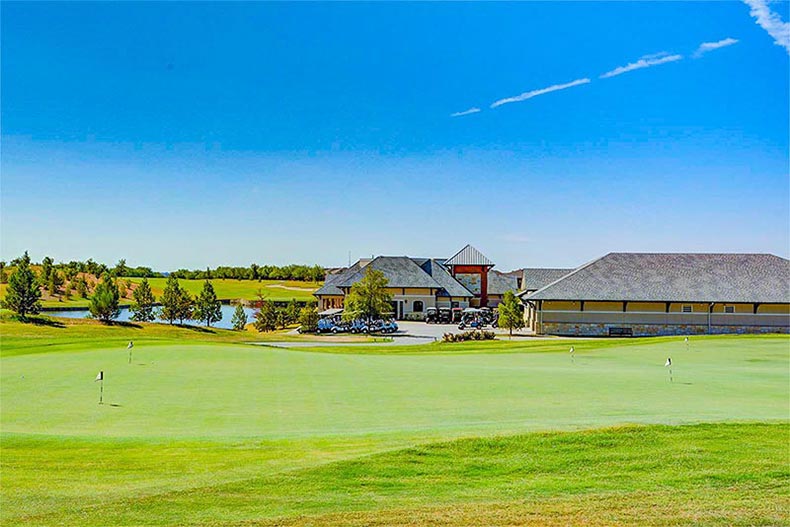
(207, 429)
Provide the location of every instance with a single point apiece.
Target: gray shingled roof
(400, 271)
(533, 278)
(443, 277)
(332, 279)
(499, 283)
(468, 256)
(760, 278)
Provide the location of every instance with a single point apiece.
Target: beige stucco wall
(550, 305)
(774, 308)
(652, 307)
(603, 306)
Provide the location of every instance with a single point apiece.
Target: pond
(227, 315)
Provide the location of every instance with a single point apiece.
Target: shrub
(474, 334)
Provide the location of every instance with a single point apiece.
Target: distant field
(205, 429)
(277, 290)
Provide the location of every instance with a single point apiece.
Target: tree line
(23, 296)
(70, 270)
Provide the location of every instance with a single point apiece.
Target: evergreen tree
(239, 319)
(186, 306)
(510, 314)
(120, 268)
(207, 308)
(266, 317)
(368, 297)
(122, 289)
(292, 312)
(3, 274)
(143, 306)
(46, 269)
(281, 318)
(23, 295)
(171, 301)
(308, 318)
(54, 282)
(82, 287)
(104, 301)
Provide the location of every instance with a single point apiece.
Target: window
(687, 309)
(417, 306)
(729, 309)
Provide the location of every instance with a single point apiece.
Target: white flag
(99, 377)
(668, 363)
(130, 346)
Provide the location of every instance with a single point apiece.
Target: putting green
(240, 391)
(200, 430)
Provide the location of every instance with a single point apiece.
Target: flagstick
(670, 375)
(101, 390)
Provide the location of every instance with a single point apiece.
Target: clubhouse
(466, 279)
(644, 294)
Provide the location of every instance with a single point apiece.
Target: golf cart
(432, 315)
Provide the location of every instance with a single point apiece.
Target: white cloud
(465, 112)
(646, 61)
(534, 93)
(710, 46)
(770, 22)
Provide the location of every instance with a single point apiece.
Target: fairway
(228, 289)
(205, 432)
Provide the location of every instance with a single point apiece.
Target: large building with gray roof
(415, 284)
(661, 294)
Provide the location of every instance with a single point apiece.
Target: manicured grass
(279, 290)
(205, 429)
(653, 475)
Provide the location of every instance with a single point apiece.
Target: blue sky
(197, 135)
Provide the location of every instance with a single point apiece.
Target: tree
(239, 319)
(308, 318)
(368, 297)
(104, 301)
(292, 312)
(120, 268)
(266, 317)
(46, 269)
(23, 295)
(171, 300)
(186, 306)
(82, 287)
(143, 306)
(122, 289)
(67, 291)
(55, 281)
(3, 274)
(510, 315)
(207, 308)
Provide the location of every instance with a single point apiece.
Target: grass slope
(655, 475)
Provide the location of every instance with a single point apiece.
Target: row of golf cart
(468, 317)
(335, 324)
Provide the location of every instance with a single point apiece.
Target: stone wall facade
(653, 330)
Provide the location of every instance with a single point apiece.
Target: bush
(474, 334)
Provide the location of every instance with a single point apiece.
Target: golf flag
(99, 377)
(668, 363)
(130, 346)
